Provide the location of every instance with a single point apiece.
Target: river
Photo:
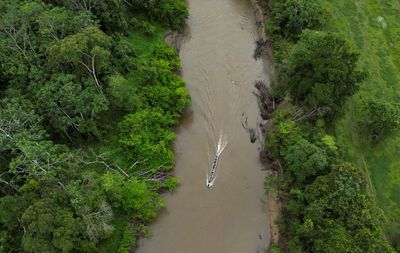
(220, 71)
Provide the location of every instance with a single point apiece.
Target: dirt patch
(274, 207)
(174, 38)
(259, 8)
(264, 44)
(267, 104)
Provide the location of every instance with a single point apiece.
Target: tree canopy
(88, 99)
(322, 71)
(291, 17)
(380, 118)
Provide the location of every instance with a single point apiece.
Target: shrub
(146, 136)
(322, 71)
(132, 197)
(305, 159)
(380, 117)
(170, 12)
(291, 17)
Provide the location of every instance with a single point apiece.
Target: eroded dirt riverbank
(220, 70)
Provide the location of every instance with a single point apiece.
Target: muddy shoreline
(267, 105)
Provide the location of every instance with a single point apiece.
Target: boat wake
(222, 142)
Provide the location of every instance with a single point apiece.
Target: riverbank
(267, 106)
(319, 213)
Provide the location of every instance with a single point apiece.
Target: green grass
(373, 28)
(143, 43)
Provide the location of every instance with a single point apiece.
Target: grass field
(373, 28)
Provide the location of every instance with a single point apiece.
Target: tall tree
(84, 52)
(322, 71)
(305, 160)
(291, 17)
(69, 104)
(380, 117)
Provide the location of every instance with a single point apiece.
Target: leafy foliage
(67, 105)
(322, 71)
(146, 135)
(381, 117)
(328, 204)
(131, 196)
(305, 160)
(71, 73)
(291, 17)
(283, 134)
(171, 12)
(49, 228)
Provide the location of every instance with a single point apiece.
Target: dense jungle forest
(90, 95)
(88, 98)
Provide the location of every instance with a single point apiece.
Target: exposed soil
(267, 105)
(174, 38)
(264, 44)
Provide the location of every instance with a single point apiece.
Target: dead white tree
(18, 36)
(101, 159)
(86, 5)
(98, 222)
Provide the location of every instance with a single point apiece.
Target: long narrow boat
(212, 176)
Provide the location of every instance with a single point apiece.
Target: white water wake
(222, 143)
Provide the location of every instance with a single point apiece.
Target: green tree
(283, 134)
(11, 209)
(86, 51)
(49, 228)
(331, 238)
(112, 15)
(380, 117)
(19, 47)
(57, 23)
(17, 116)
(291, 17)
(60, 62)
(131, 196)
(147, 136)
(322, 71)
(68, 104)
(29, 153)
(124, 93)
(170, 12)
(305, 160)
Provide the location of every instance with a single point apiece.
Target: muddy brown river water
(220, 71)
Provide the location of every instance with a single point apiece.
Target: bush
(380, 117)
(291, 17)
(147, 137)
(170, 12)
(144, 26)
(322, 71)
(304, 160)
(281, 136)
(132, 197)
